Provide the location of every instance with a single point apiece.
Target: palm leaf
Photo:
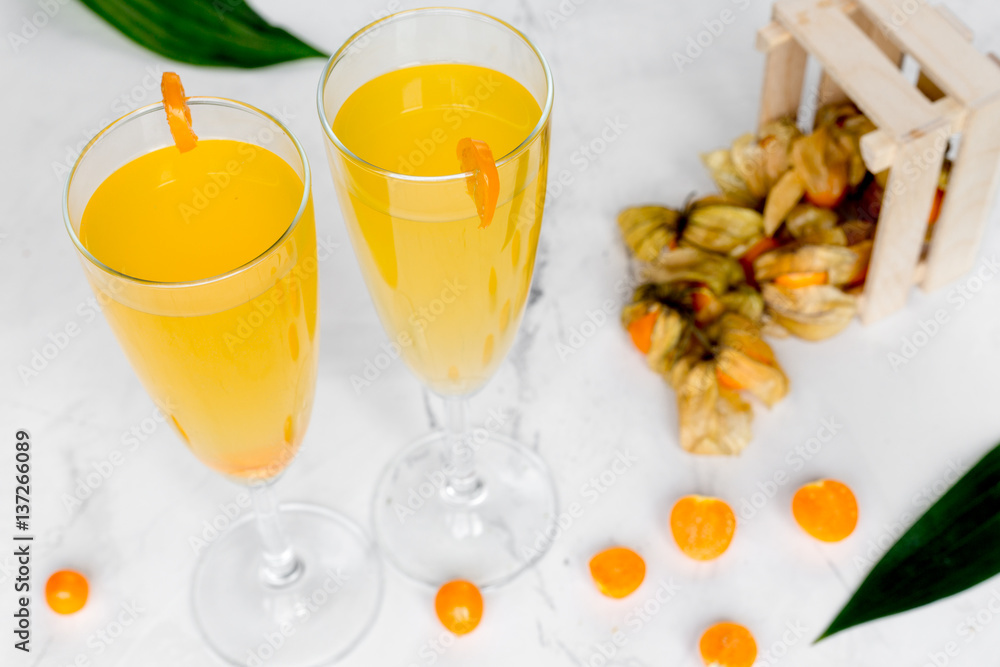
(203, 32)
(952, 547)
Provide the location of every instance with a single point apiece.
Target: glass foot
(316, 619)
(487, 536)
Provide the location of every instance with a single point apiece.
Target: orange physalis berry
(700, 301)
(832, 191)
(728, 645)
(66, 591)
(727, 382)
(702, 527)
(802, 279)
(826, 509)
(617, 571)
(827, 186)
(766, 244)
(936, 207)
(641, 331)
(178, 112)
(484, 184)
(459, 606)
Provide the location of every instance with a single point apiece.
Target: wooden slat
(918, 276)
(878, 148)
(829, 91)
(899, 235)
(972, 188)
(882, 41)
(942, 51)
(924, 84)
(868, 77)
(957, 24)
(771, 37)
(784, 73)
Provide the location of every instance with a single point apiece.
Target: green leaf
(952, 547)
(204, 32)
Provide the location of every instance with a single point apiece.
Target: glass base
(431, 535)
(316, 619)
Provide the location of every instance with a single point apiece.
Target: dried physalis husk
(699, 300)
(812, 224)
(723, 228)
(822, 166)
(723, 171)
(745, 362)
(689, 264)
(849, 131)
(706, 306)
(784, 196)
(693, 299)
(834, 236)
(837, 262)
(830, 115)
(713, 420)
(669, 340)
(776, 138)
(857, 124)
(666, 336)
(748, 159)
(850, 146)
(813, 313)
(744, 300)
(649, 230)
(805, 218)
(769, 327)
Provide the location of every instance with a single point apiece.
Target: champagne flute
(449, 285)
(205, 266)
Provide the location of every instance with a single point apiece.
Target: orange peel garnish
(484, 184)
(178, 112)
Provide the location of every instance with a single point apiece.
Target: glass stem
(463, 484)
(279, 566)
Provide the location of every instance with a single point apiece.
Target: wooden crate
(860, 46)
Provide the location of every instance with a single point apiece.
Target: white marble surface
(902, 429)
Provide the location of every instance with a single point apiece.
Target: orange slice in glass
(484, 184)
(178, 112)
